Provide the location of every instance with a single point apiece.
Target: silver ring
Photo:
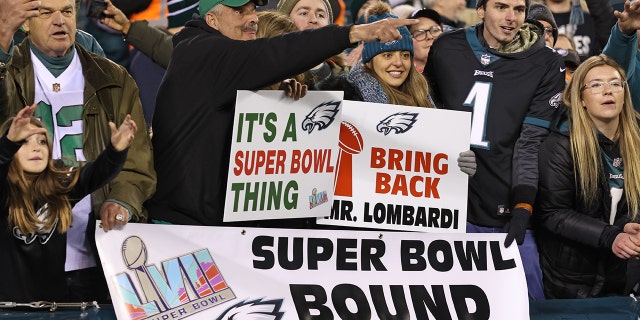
(120, 217)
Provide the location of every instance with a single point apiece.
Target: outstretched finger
(403, 22)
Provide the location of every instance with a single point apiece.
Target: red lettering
(377, 158)
(382, 182)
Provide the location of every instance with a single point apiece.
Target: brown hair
(414, 91)
(28, 192)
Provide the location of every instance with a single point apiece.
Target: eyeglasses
(421, 34)
(597, 87)
(549, 30)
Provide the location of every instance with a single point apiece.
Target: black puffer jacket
(575, 239)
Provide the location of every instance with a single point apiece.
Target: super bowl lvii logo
(181, 287)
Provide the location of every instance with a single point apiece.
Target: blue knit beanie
(371, 49)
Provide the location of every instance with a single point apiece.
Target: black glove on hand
(517, 226)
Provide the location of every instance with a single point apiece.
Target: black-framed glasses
(549, 30)
(597, 87)
(421, 34)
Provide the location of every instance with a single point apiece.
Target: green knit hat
(206, 5)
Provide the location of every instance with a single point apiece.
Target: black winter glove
(517, 226)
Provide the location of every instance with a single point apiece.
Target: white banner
(283, 155)
(397, 168)
(192, 272)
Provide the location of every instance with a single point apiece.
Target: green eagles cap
(206, 5)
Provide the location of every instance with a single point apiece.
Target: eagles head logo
(556, 100)
(399, 122)
(321, 116)
(254, 309)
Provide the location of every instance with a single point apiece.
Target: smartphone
(96, 9)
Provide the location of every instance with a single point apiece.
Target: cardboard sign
(397, 168)
(283, 155)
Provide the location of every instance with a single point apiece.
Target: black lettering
(446, 218)
(283, 252)
(496, 254)
(341, 293)
(407, 215)
(324, 254)
(257, 247)
(382, 307)
(299, 294)
(394, 213)
(459, 295)
(421, 299)
(470, 256)
(411, 258)
(341, 210)
(432, 254)
(372, 251)
(342, 254)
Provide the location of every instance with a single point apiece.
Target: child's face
(33, 155)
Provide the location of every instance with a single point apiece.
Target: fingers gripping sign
(113, 215)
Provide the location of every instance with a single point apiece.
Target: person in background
(571, 62)
(275, 23)
(423, 34)
(449, 11)
(115, 49)
(77, 93)
(589, 31)
(313, 14)
(542, 14)
(565, 42)
(152, 47)
(624, 48)
(512, 82)
(403, 11)
(37, 195)
(589, 196)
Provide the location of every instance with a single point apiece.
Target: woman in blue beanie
(386, 73)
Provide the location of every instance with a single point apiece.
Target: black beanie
(541, 12)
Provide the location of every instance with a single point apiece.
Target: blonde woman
(589, 192)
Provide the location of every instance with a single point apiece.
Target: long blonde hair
(28, 192)
(585, 149)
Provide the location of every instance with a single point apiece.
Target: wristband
(525, 206)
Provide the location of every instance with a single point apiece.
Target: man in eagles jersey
(77, 94)
(502, 72)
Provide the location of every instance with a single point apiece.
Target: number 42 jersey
(513, 98)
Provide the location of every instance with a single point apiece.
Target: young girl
(36, 197)
(589, 188)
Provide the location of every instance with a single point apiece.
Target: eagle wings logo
(399, 122)
(321, 116)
